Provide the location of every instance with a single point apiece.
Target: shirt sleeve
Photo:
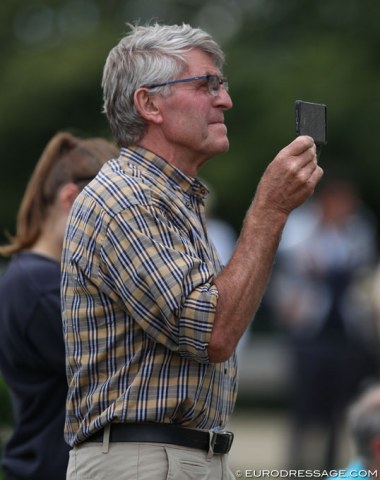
(160, 279)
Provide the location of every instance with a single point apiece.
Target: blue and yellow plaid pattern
(139, 302)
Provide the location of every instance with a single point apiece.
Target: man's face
(193, 118)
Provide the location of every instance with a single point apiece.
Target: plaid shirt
(139, 302)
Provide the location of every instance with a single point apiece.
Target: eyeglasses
(213, 83)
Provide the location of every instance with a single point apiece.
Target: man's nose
(223, 98)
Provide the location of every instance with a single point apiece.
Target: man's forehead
(200, 63)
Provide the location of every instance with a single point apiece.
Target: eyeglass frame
(219, 81)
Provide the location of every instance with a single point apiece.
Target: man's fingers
(299, 145)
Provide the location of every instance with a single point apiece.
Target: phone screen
(311, 119)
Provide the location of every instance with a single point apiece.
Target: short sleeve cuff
(196, 323)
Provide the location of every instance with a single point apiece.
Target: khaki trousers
(144, 461)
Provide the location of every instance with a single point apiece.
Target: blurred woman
(32, 358)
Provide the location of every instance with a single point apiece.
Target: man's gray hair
(364, 422)
(147, 55)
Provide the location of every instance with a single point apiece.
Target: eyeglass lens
(214, 83)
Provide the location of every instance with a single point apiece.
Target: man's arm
(288, 181)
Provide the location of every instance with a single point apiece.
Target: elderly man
(151, 318)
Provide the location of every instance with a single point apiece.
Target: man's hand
(290, 178)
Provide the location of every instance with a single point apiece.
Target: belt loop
(106, 438)
(211, 443)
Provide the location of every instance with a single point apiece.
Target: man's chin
(222, 143)
(224, 146)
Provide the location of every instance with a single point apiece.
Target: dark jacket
(32, 363)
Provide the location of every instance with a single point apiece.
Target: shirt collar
(163, 171)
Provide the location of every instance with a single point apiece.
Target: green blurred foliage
(5, 405)
(52, 54)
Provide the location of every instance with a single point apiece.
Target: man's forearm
(242, 283)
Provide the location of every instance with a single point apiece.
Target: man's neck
(180, 159)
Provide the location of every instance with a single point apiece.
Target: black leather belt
(217, 442)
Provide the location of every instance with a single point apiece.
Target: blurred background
(51, 59)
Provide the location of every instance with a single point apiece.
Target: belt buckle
(230, 439)
(211, 443)
(213, 434)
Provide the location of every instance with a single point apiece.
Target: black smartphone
(311, 119)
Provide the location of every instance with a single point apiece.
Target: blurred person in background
(32, 354)
(363, 422)
(221, 233)
(318, 293)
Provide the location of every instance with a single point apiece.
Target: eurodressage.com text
(306, 473)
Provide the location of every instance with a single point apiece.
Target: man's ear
(67, 195)
(148, 105)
